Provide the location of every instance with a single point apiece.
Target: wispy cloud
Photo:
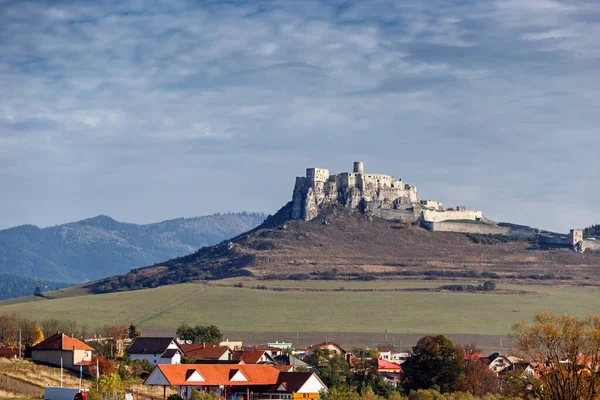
(146, 109)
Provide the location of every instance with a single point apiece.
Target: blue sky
(147, 110)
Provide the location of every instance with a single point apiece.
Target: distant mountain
(99, 247)
(12, 286)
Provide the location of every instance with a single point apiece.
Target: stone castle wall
(439, 216)
(353, 190)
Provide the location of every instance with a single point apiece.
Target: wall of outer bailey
(439, 216)
(465, 228)
(591, 244)
(390, 214)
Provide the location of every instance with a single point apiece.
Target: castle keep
(381, 194)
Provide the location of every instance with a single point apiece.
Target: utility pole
(20, 345)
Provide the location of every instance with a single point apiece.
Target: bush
(299, 277)
(174, 397)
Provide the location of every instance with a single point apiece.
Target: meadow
(321, 306)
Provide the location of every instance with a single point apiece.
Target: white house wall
(155, 359)
(312, 385)
(157, 378)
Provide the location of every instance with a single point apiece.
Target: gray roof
(150, 345)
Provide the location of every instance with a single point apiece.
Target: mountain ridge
(101, 246)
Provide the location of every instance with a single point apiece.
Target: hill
(347, 244)
(12, 286)
(101, 246)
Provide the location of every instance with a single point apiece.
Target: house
(235, 381)
(271, 351)
(331, 346)
(253, 357)
(62, 349)
(156, 350)
(232, 345)
(385, 354)
(206, 352)
(400, 357)
(501, 363)
(291, 361)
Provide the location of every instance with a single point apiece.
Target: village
(198, 364)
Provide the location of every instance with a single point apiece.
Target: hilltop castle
(385, 197)
(382, 194)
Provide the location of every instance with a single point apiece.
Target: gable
(237, 376)
(282, 388)
(312, 385)
(194, 376)
(156, 377)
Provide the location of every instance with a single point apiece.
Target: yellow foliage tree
(39, 335)
(568, 348)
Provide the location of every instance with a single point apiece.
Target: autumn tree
(476, 377)
(434, 364)
(8, 330)
(110, 385)
(569, 348)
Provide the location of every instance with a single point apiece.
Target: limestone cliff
(377, 194)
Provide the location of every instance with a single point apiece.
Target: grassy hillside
(320, 307)
(345, 244)
(16, 286)
(98, 247)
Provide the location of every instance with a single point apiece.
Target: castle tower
(358, 167)
(576, 236)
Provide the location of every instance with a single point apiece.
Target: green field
(255, 310)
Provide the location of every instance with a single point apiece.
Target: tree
(364, 365)
(37, 291)
(433, 364)
(209, 334)
(132, 331)
(569, 348)
(489, 285)
(111, 385)
(331, 367)
(8, 330)
(476, 377)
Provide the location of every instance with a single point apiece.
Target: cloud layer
(149, 110)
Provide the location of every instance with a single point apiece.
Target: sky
(149, 110)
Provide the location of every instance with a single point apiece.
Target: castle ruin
(389, 198)
(381, 194)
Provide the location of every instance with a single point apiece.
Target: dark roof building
(157, 350)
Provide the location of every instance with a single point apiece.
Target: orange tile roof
(248, 356)
(206, 352)
(387, 365)
(219, 374)
(60, 341)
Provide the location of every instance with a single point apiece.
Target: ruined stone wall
(439, 216)
(466, 228)
(392, 214)
(592, 244)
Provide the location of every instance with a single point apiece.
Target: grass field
(254, 310)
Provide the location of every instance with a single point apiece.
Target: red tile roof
(205, 352)
(60, 341)
(248, 356)
(325, 345)
(217, 374)
(388, 366)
